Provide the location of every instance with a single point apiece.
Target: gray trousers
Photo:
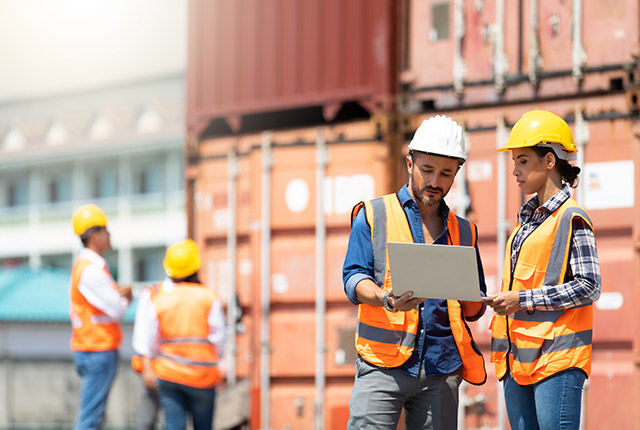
(148, 411)
(380, 394)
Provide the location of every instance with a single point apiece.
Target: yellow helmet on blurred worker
(88, 216)
(543, 128)
(182, 259)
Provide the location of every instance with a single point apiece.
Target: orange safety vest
(136, 360)
(186, 356)
(93, 330)
(541, 343)
(385, 338)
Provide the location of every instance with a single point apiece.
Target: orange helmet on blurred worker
(182, 259)
(543, 128)
(88, 216)
(440, 135)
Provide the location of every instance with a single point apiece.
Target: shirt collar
(533, 205)
(93, 256)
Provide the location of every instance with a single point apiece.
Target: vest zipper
(512, 271)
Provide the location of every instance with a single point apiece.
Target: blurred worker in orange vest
(149, 403)
(97, 306)
(180, 337)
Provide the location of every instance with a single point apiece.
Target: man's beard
(418, 194)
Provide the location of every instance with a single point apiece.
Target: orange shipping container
(358, 168)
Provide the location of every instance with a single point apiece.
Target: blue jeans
(97, 370)
(179, 400)
(551, 404)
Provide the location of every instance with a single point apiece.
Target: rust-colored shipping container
(500, 51)
(289, 126)
(250, 57)
(356, 171)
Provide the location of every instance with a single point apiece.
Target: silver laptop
(434, 271)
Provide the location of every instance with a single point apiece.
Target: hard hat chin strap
(559, 150)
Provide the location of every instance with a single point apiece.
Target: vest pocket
(526, 276)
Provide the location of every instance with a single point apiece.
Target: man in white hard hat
(413, 352)
(97, 306)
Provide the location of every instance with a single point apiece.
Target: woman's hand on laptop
(503, 303)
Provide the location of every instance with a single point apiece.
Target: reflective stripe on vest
(534, 345)
(183, 360)
(102, 319)
(388, 339)
(185, 340)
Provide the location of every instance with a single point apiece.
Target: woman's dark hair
(191, 279)
(568, 172)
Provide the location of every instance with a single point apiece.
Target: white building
(118, 147)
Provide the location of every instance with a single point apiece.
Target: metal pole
(534, 46)
(265, 279)
(321, 236)
(499, 57)
(232, 256)
(578, 54)
(501, 133)
(459, 66)
(582, 137)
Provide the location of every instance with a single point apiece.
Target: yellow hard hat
(182, 259)
(539, 128)
(88, 216)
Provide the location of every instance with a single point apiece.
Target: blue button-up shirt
(435, 347)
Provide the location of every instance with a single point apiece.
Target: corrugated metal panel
(348, 180)
(361, 162)
(358, 163)
(253, 56)
(539, 62)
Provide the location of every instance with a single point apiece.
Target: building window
(439, 22)
(59, 189)
(57, 261)
(149, 179)
(148, 265)
(105, 184)
(17, 193)
(12, 262)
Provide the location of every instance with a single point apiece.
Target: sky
(50, 47)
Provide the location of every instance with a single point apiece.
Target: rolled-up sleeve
(584, 286)
(217, 333)
(97, 287)
(145, 327)
(358, 263)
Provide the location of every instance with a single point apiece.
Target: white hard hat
(440, 135)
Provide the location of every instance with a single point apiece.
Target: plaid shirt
(583, 287)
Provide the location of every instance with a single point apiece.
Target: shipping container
(250, 57)
(356, 170)
(499, 51)
(271, 184)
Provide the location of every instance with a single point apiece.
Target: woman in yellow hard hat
(180, 336)
(541, 333)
